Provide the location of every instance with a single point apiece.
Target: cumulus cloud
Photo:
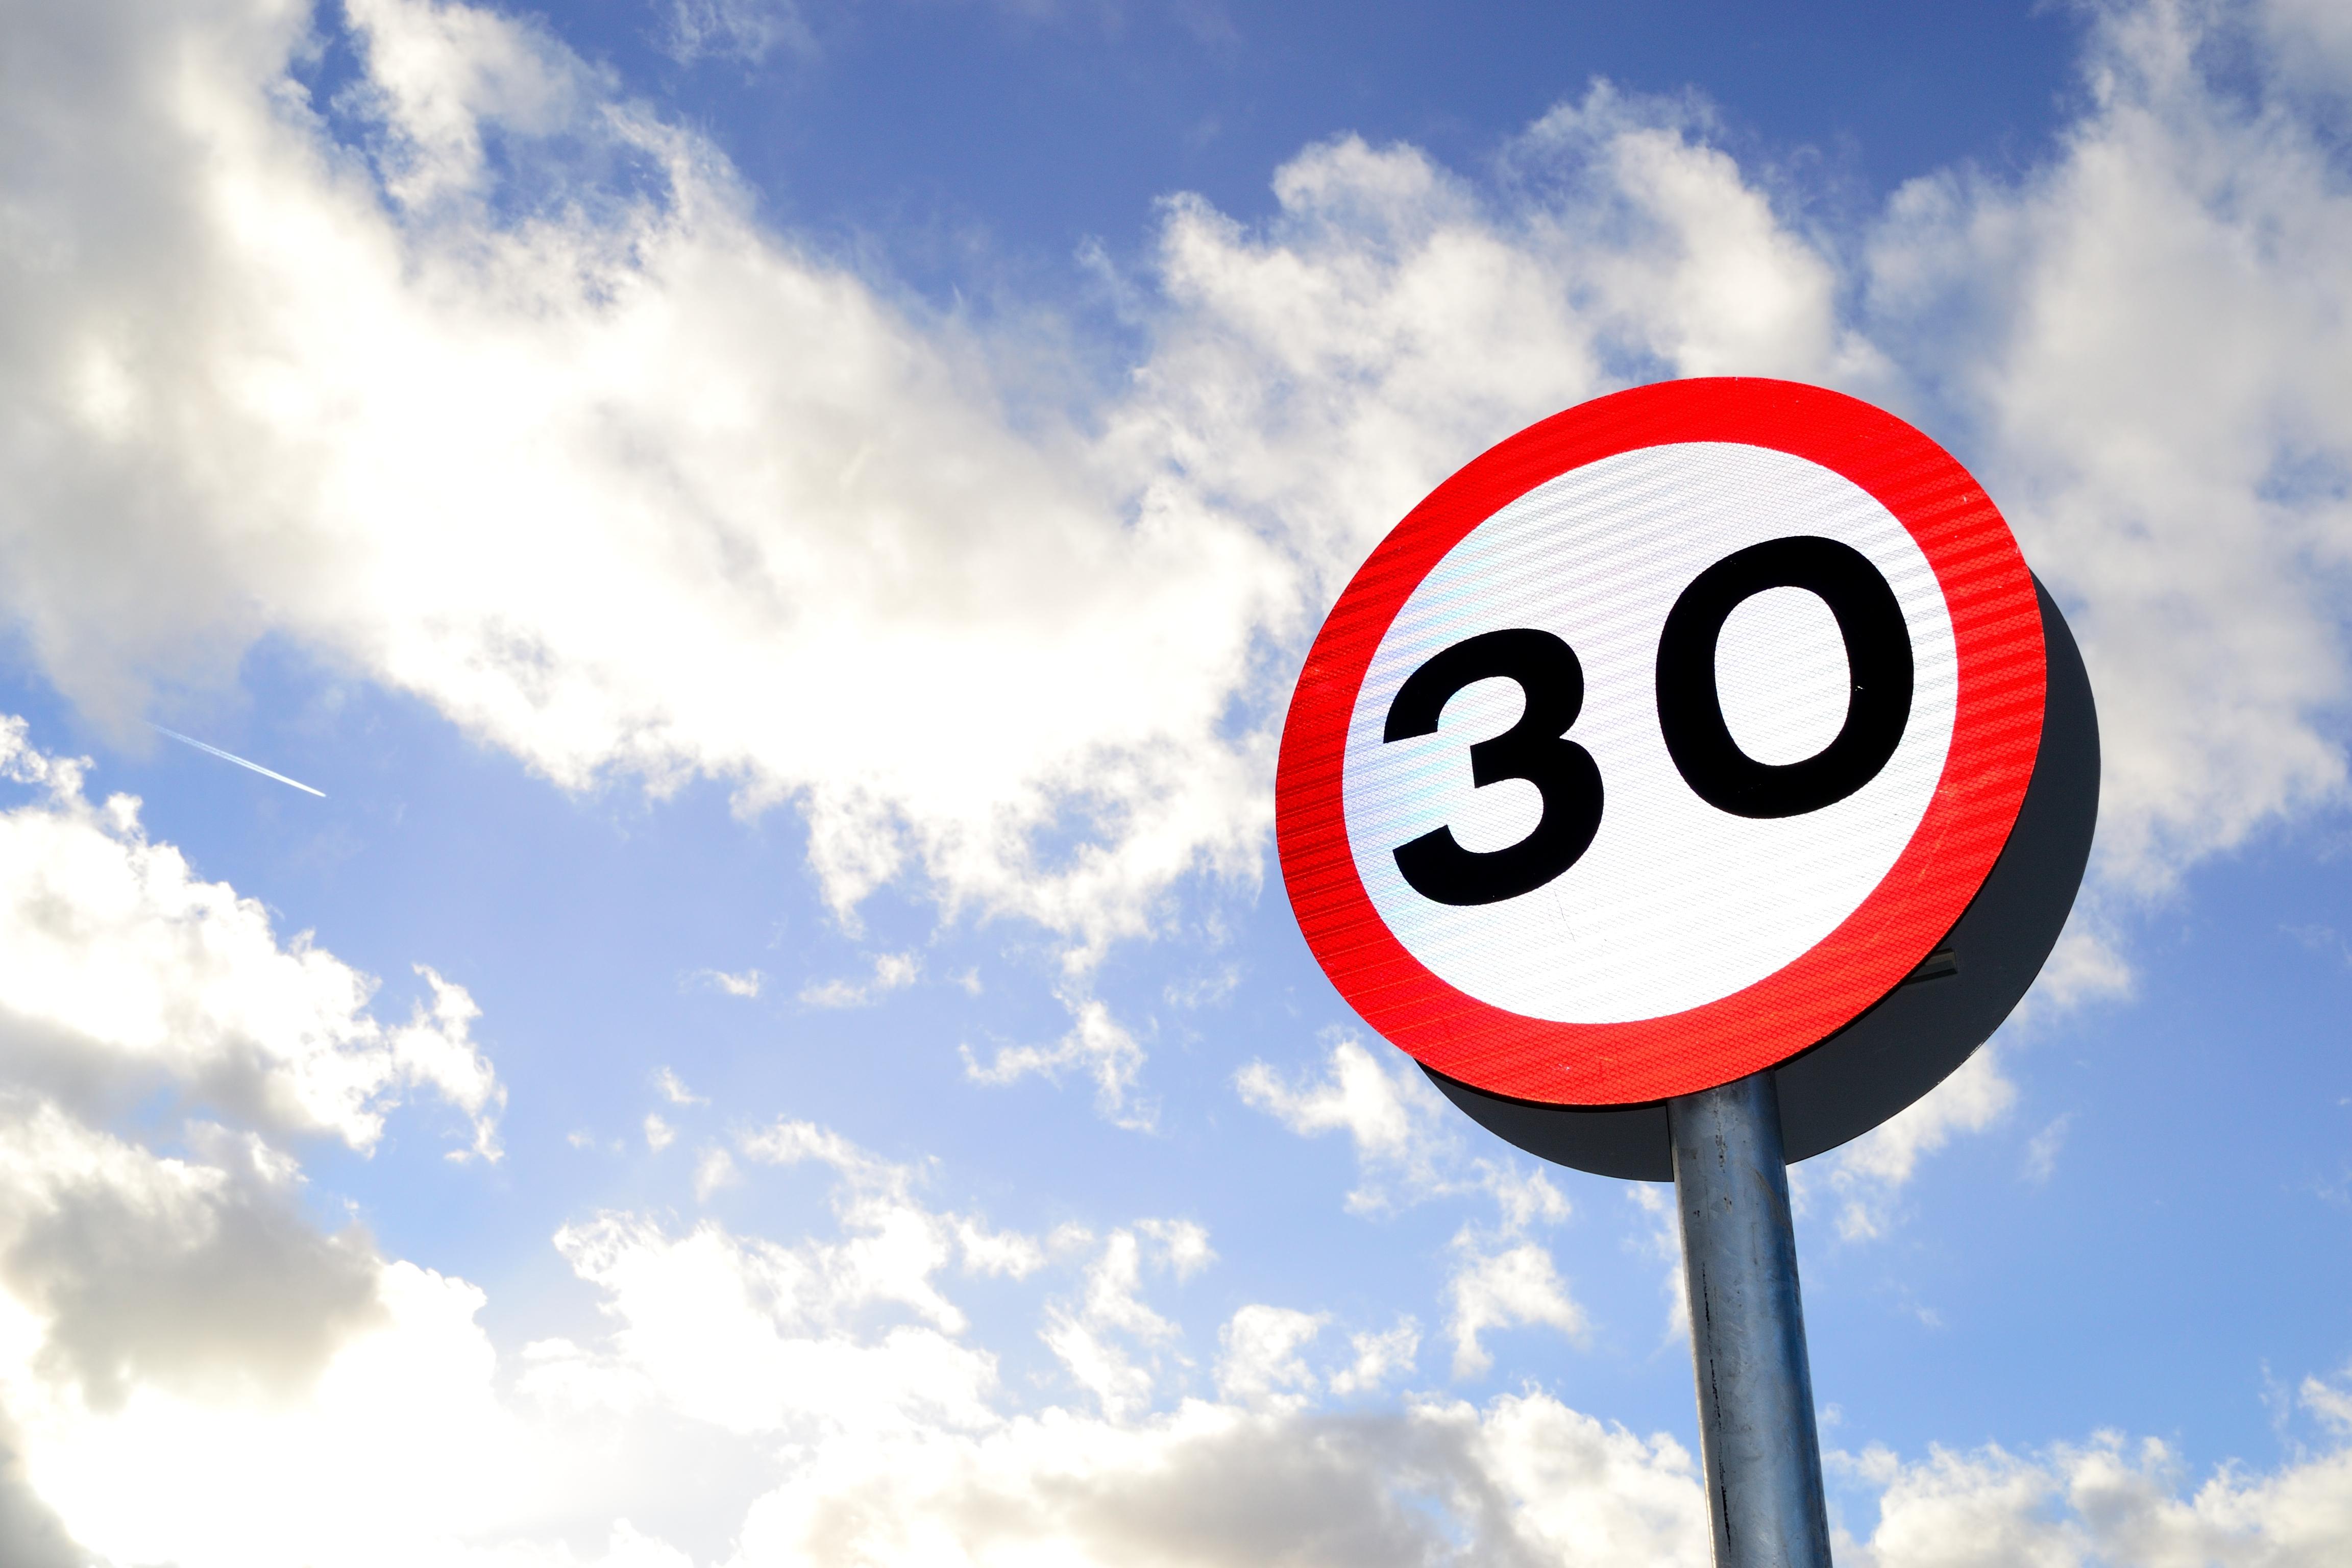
(1503, 1288)
(837, 1383)
(635, 356)
(781, 467)
(912, 1457)
(1410, 1149)
(753, 1337)
(2199, 540)
(1388, 1112)
(281, 1393)
(891, 971)
(1380, 1356)
(1004, 1252)
(1098, 1046)
(169, 1272)
(122, 973)
(171, 1306)
(777, 470)
(1259, 1360)
(2105, 1501)
(1525, 1480)
(1112, 1344)
(227, 335)
(1408, 1139)
(1867, 1177)
(326, 1470)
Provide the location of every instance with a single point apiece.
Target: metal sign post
(1757, 1438)
(1690, 782)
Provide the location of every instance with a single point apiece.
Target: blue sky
(784, 535)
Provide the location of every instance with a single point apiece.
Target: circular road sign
(1662, 743)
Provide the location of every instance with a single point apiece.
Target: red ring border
(1997, 733)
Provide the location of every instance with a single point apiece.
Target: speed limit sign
(1663, 744)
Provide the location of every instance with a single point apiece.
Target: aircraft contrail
(233, 757)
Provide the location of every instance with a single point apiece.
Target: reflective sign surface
(1661, 741)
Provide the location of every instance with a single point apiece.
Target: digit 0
(1879, 663)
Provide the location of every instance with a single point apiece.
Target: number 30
(1690, 715)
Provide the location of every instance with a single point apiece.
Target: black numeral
(1877, 656)
(1690, 714)
(1535, 749)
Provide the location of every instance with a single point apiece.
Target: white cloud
(630, 1548)
(230, 337)
(1408, 1138)
(179, 1327)
(1259, 1361)
(2107, 1501)
(1525, 1480)
(776, 470)
(751, 1337)
(2202, 540)
(1388, 1113)
(122, 973)
(1001, 1252)
(781, 470)
(444, 79)
(1109, 1338)
(1098, 1044)
(1659, 1237)
(2042, 1151)
(2312, 41)
(659, 1134)
(278, 1397)
(184, 1275)
(673, 1089)
(799, 491)
(2332, 1404)
(714, 1171)
(1183, 1245)
(795, 1142)
(1868, 1175)
(1379, 1357)
(329, 1467)
(1509, 1287)
(892, 972)
(2086, 964)
(1408, 1148)
(902, 1244)
(394, 1446)
(182, 1317)
(745, 30)
(1304, 380)
(745, 983)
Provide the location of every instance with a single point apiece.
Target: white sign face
(1661, 742)
(1675, 902)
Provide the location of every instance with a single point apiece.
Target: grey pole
(1747, 1330)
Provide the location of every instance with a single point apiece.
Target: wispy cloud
(673, 1089)
(891, 971)
(745, 983)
